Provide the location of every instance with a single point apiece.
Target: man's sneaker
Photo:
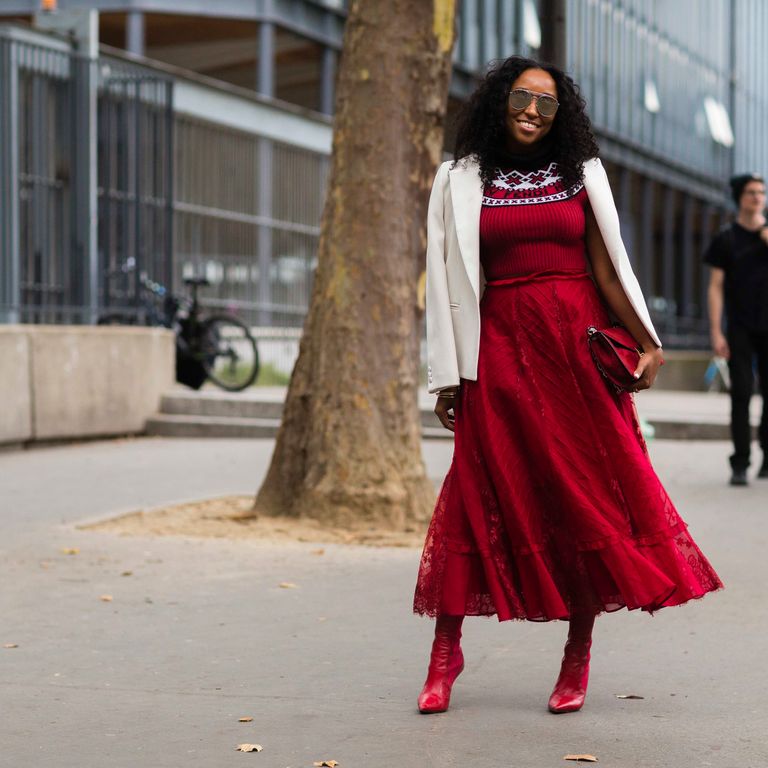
(763, 473)
(739, 477)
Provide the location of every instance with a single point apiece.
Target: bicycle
(218, 347)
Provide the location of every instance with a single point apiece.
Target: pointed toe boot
(445, 665)
(571, 686)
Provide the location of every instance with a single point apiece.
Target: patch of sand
(228, 517)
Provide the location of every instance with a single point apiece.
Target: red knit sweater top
(531, 222)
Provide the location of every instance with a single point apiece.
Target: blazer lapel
(467, 197)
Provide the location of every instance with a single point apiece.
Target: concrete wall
(80, 381)
(684, 370)
(15, 387)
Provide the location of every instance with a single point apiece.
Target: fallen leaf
(248, 748)
(106, 598)
(581, 758)
(70, 550)
(318, 552)
(10, 645)
(127, 573)
(288, 585)
(244, 719)
(321, 763)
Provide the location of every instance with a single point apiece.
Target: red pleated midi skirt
(551, 505)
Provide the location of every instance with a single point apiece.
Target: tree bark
(553, 32)
(348, 451)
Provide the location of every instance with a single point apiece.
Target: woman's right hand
(444, 408)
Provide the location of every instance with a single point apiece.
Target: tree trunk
(553, 32)
(348, 452)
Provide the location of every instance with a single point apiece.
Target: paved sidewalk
(200, 634)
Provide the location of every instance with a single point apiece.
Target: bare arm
(612, 291)
(715, 293)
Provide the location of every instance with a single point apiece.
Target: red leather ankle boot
(445, 665)
(571, 686)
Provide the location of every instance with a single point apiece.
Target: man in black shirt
(738, 257)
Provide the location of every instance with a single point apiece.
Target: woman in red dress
(551, 509)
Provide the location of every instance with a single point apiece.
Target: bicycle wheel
(228, 353)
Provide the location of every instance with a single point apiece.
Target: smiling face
(527, 127)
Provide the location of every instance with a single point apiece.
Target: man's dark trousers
(744, 345)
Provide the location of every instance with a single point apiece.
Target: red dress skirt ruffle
(551, 505)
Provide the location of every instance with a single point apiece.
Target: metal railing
(248, 216)
(97, 167)
(135, 181)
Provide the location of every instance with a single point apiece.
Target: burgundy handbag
(616, 355)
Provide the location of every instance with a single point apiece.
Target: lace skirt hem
(645, 575)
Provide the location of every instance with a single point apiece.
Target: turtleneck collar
(528, 161)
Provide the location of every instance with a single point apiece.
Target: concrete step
(175, 425)
(249, 405)
(687, 430)
(185, 425)
(257, 413)
(222, 405)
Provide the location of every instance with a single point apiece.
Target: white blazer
(455, 281)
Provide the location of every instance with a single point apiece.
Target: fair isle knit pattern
(543, 185)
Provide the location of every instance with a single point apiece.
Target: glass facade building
(676, 91)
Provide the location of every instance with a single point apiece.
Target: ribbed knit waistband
(535, 277)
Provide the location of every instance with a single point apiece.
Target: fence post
(83, 25)
(86, 192)
(264, 249)
(10, 266)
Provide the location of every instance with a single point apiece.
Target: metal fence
(39, 281)
(86, 142)
(79, 140)
(248, 217)
(135, 182)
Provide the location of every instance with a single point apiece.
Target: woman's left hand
(647, 368)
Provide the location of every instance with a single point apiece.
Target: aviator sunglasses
(520, 98)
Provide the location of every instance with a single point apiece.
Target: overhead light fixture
(651, 97)
(531, 26)
(718, 121)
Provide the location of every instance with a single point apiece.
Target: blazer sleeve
(607, 217)
(442, 363)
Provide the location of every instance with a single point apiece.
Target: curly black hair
(481, 123)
